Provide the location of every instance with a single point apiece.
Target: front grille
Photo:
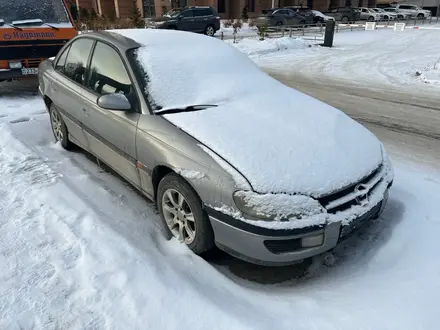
(283, 246)
(326, 200)
(29, 52)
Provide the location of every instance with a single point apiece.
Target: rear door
(202, 18)
(186, 21)
(111, 134)
(67, 87)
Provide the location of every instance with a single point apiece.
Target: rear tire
(210, 31)
(420, 16)
(197, 233)
(370, 19)
(59, 128)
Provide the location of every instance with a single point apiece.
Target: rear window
(267, 12)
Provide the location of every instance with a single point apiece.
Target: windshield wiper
(2, 22)
(53, 27)
(186, 109)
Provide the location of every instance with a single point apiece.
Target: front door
(111, 134)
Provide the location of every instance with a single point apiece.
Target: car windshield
(173, 13)
(48, 11)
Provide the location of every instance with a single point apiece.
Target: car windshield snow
(48, 11)
(173, 13)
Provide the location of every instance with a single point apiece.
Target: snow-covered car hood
(281, 140)
(294, 145)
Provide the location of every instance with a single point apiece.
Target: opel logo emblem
(361, 191)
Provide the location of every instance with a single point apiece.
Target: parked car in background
(192, 19)
(305, 12)
(137, 100)
(344, 14)
(320, 17)
(279, 17)
(388, 16)
(413, 10)
(369, 14)
(399, 14)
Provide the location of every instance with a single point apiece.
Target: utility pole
(273, 4)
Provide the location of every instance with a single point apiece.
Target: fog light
(15, 65)
(311, 241)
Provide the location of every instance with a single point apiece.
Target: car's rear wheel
(210, 31)
(59, 128)
(182, 213)
(420, 16)
(371, 19)
(344, 19)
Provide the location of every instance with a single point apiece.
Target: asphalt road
(408, 123)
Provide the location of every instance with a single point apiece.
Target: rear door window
(202, 12)
(76, 61)
(187, 14)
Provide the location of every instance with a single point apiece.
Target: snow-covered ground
(373, 58)
(79, 248)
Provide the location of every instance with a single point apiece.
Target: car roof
(120, 41)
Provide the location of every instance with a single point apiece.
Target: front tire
(182, 213)
(59, 128)
(344, 20)
(371, 19)
(420, 16)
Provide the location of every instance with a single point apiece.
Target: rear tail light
(217, 18)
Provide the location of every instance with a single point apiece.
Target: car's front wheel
(344, 20)
(59, 128)
(182, 212)
(210, 31)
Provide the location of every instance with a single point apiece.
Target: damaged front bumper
(264, 242)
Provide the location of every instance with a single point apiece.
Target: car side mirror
(179, 18)
(115, 101)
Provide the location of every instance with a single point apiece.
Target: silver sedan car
(231, 157)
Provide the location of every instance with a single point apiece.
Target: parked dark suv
(194, 19)
(344, 14)
(304, 12)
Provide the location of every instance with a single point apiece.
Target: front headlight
(276, 207)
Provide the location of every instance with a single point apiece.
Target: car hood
(284, 141)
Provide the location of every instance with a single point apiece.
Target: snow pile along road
(256, 47)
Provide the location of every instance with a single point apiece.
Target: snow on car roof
(272, 134)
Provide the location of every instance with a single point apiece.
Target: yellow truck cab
(30, 32)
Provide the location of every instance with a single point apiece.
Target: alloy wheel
(178, 216)
(56, 125)
(210, 31)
